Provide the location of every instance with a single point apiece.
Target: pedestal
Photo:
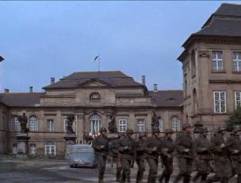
(70, 139)
(22, 144)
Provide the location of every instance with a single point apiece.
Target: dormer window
(95, 97)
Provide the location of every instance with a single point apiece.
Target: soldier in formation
(203, 155)
(226, 155)
(167, 153)
(140, 157)
(222, 163)
(152, 147)
(127, 153)
(234, 144)
(100, 145)
(184, 147)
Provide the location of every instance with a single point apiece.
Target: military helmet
(129, 131)
(169, 130)
(103, 129)
(186, 125)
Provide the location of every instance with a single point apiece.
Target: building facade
(92, 97)
(211, 63)
(212, 68)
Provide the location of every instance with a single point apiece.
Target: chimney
(30, 89)
(155, 88)
(143, 79)
(6, 90)
(52, 80)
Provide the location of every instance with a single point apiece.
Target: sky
(40, 40)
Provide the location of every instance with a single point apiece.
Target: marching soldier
(152, 147)
(234, 144)
(168, 147)
(126, 150)
(222, 164)
(203, 155)
(114, 149)
(100, 145)
(140, 157)
(184, 147)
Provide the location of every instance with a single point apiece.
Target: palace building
(211, 63)
(92, 97)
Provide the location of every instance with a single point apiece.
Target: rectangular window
(50, 123)
(237, 61)
(141, 126)
(237, 97)
(123, 125)
(217, 61)
(50, 149)
(219, 101)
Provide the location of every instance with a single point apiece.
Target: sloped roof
(167, 98)
(225, 22)
(111, 78)
(20, 99)
(227, 9)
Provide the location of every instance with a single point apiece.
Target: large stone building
(212, 68)
(212, 90)
(92, 97)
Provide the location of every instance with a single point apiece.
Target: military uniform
(184, 147)
(100, 145)
(140, 158)
(222, 164)
(167, 149)
(114, 150)
(152, 146)
(126, 150)
(234, 144)
(203, 155)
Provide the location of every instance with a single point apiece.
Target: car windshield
(85, 156)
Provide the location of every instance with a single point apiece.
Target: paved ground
(54, 171)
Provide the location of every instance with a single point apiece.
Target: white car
(81, 155)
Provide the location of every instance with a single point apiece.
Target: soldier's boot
(186, 178)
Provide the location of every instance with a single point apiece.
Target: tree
(235, 119)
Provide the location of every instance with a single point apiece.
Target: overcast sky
(40, 40)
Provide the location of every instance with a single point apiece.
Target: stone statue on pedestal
(70, 121)
(155, 122)
(23, 120)
(112, 125)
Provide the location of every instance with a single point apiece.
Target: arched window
(95, 96)
(14, 124)
(176, 124)
(95, 124)
(33, 123)
(161, 125)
